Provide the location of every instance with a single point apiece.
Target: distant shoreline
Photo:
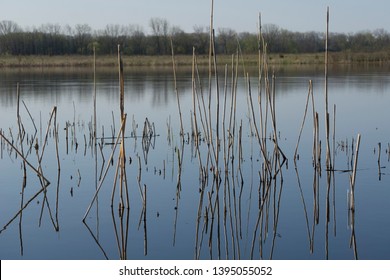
(341, 58)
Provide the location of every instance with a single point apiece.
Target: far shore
(185, 60)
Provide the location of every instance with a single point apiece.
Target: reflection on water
(190, 197)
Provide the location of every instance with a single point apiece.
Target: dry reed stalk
(223, 122)
(107, 167)
(212, 54)
(40, 157)
(310, 94)
(113, 123)
(66, 137)
(122, 153)
(47, 182)
(201, 104)
(53, 112)
(263, 151)
(211, 50)
(317, 143)
(217, 145)
(32, 119)
(277, 151)
(328, 157)
(194, 90)
(353, 176)
(261, 45)
(121, 84)
(20, 130)
(176, 90)
(94, 96)
(334, 137)
(56, 140)
(233, 109)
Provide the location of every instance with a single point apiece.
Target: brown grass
(186, 60)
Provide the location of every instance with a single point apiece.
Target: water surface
(302, 215)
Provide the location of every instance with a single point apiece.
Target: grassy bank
(274, 59)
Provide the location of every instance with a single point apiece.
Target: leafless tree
(8, 26)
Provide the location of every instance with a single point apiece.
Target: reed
(217, 140)
(39, 174)
(20, 130)
(94, 97)
(104, 174)
(176, 90)
(353, 176)
(328, 156)
(122, 153)
(56, 141)
(309, 95)
(222, 200)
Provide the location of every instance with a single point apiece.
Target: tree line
(53, 39)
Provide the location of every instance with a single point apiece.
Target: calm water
(305, 215)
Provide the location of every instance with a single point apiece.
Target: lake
(240, 197)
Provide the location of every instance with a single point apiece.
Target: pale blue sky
(240, 15)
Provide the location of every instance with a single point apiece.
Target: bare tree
(271, 34)
(8, 26)
(112, 30)
(82, 37)
(160, 28)
(226, 40)
(201, 37)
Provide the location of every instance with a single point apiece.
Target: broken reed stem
(315, 141)
(196, 132)
(121, 84)
(56, 140)
(20, 129)
(353, 177)
(24, 159)
(304, 118)
(263, 151)
(53, 112)
(21, 209)
(107, 167)
(176, 90)
(32, 120)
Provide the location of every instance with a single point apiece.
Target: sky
(346, 16)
